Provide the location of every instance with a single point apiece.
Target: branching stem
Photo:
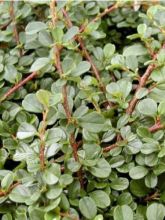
(15, 31)
(18, 85)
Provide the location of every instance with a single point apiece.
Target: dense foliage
(82, 106)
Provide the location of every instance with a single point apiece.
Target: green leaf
(143, 132)
(141, 93)
(81, 68)
(135, 50)
(161, 108)
(123, 120)
(34, 27)
(138, 172)
(124, 199)
(142, 28)
(119, 184)
(49, 177)
(36, 213)
(138, 188)
(102, 169)
(45, 38)
(55, 99)
(20, 194)
(7, 216)
(51, 216)
(43, 97)
(54, 135)
(151, 180)
(123, 212)
(120, 89)
(108, 136)
(87, 207)
(147, 107)
(98, 217)
(150, 147)
(93, 122)
(155, 211)
(80, 111)
(31, 104)
(39, 63)
(117, 161)
(26, 130)
(7, 181)
(70, 33)
(66, 179)
(158, 74)
(73, 165)
(53, 149)
(11, 75)
(109, 50)
(161, 57)
(54, 192)
(132, 62)
(101, 198)
(57, 33)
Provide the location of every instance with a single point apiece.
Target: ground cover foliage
(82, 106)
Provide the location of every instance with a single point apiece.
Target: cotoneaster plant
(82, 106)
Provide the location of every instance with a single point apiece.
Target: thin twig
(57, 52)
(15, 31)
(17, 86)
(156, 127)
(86, 55)
(109, 148)
(5, 193)
(80, 41)
(99, 16)
(142, 83)
(42, 139)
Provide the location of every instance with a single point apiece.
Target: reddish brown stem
(64, 89)
(15, 31)
(4, 193)
(86, 54)
(142, 83)
(68, 21)
(80, 41)
(75, 147)
(156, 127)
(109, 148)
(42, 156)
(102, 14)
(42, 139)
(57, 51)
(17, 86)
(66, 104)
